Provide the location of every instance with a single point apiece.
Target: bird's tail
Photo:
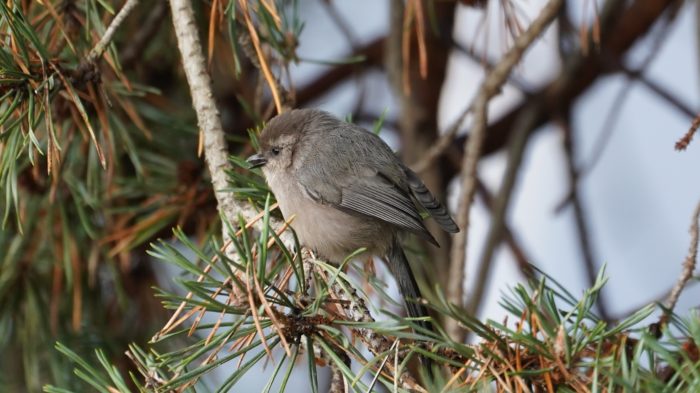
(408, 287)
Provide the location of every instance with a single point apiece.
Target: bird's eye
(276, 150)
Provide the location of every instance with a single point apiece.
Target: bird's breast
(331, 233)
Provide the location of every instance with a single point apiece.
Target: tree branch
(372, 52)
(688, 265)
(498, 216)
(101, 46)
(208, 119)
(489, 88)
(625, 28)
(355, 309)
(521, 260)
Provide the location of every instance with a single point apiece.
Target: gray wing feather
(436, 209)
(377, 198)
(352, 183)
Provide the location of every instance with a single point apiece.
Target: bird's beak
(256, 161)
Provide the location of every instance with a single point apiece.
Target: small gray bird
(347, 190)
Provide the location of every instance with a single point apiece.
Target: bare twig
(622, 24)
(688, 264)
(663, 93)
(346, 30)
(497, 226)
(605, 134)
(615, 110)
(325, 82)
(517, 81)
(580, 216)
(442, 143)
(101, 46)
(489, 88)
(683, 143)
(341, 23)
(515, 248)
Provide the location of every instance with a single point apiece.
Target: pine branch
(106, 39)
(208, 118)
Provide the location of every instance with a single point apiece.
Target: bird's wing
(371, 196)
(436, 209)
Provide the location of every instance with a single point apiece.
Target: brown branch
(446, 138)
(683, 143)
(373, 53)
(615, 110)
(101, 46)
(688, 265)
(662, 92)
(500, 207)
(443, 142)
(489, 88)
(340, 23)
(604, 136)
(621, 27)
(636, 75)
(346, 30)
(521, 259)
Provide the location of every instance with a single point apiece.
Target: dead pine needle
(264, 66)
(256, 317)
(174, 321)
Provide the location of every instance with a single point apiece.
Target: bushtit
(347, 190)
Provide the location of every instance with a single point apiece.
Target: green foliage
(95, 163)
(253, 317)
(91, 168)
